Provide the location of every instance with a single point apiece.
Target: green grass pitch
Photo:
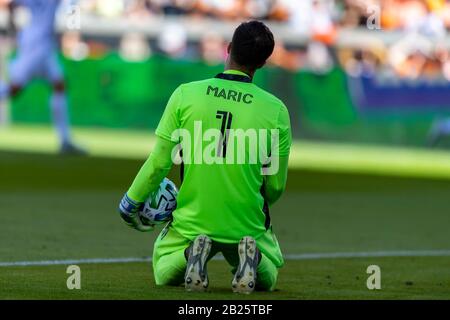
(65, 208)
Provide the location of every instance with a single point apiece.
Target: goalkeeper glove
(129, 211)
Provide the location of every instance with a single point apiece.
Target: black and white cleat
(196, 277)
(244, 280)
(72, 149)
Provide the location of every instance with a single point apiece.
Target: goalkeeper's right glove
(129, 211)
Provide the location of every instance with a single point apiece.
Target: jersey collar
(234, 75)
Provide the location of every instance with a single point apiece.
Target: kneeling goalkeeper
(226, 191)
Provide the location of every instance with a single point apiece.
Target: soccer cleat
(72, 149)
(244, 280)
(196, 277)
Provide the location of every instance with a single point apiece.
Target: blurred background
(362, 71)
(367, 84)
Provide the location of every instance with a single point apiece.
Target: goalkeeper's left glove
(129, 211)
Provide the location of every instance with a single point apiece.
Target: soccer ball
(159, 206)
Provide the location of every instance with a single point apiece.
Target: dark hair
(252, 44)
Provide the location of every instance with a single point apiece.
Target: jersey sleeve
(285, 133)
(153, 171)
(170, 121)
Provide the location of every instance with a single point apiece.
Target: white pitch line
(72, 261)
(304, 256)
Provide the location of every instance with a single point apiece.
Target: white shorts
(35, 64)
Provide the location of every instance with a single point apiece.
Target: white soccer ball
(159, 206)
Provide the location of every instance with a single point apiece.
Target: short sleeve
(170, 122)
(285, 133)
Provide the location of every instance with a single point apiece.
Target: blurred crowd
(303, 14)
(412, 57)
(421, 51)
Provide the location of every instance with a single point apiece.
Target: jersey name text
(230, 94)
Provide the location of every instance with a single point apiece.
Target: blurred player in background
(37, 58)
(440, 130)
(221, 207)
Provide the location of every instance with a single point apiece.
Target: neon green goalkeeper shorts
(169, 262)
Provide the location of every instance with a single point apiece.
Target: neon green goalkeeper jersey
(231, 133)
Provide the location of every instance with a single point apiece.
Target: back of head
(252, 45)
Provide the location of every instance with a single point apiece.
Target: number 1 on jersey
(227, 118)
